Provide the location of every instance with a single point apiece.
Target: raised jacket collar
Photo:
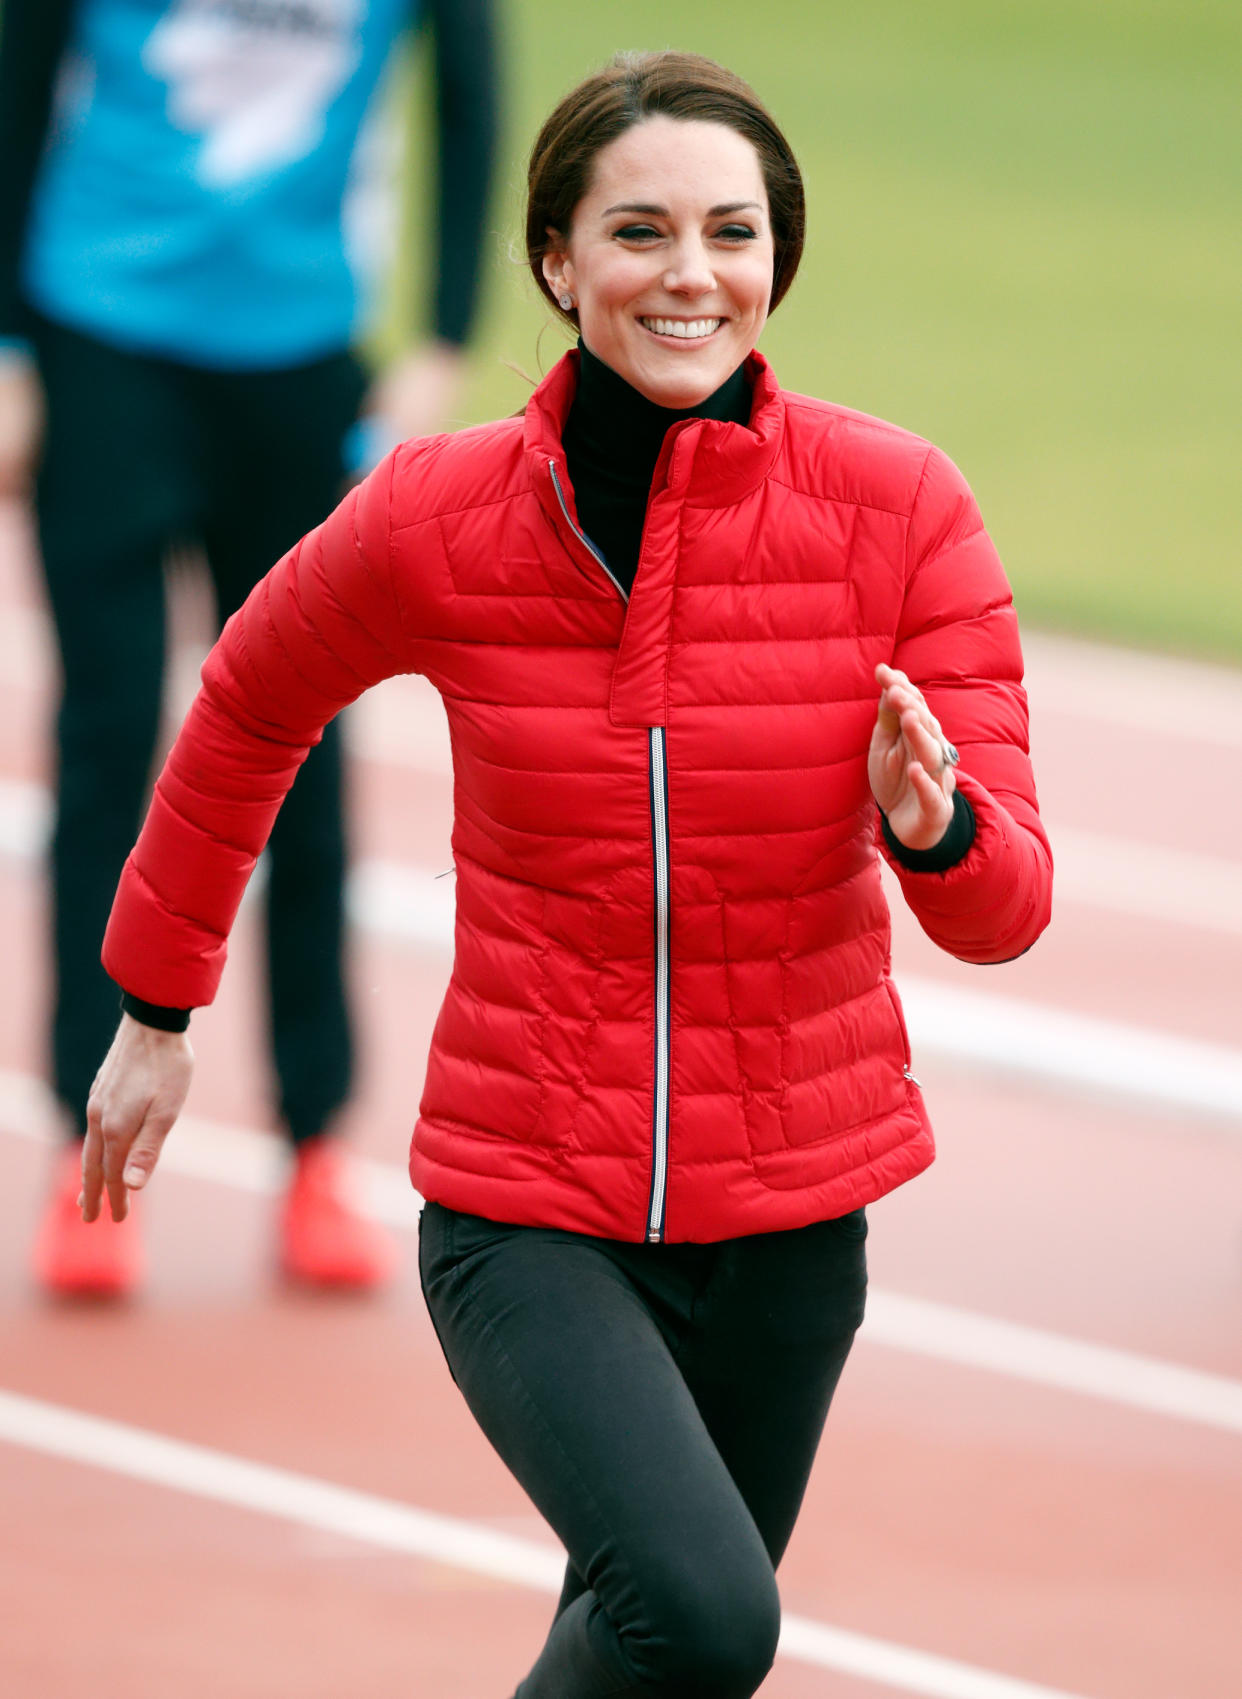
(707, 462)
(704, 463)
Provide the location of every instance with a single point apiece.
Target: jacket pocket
(899, 1015)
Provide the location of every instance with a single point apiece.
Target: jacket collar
(715, 463)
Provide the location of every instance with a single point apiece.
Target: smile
(686, 330)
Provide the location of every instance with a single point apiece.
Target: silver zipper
(659, 839)
(581, 535)
(658, 778)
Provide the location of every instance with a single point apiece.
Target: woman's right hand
(137, 1095)
(21, 422)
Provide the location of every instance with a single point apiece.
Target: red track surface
(1060, 1539)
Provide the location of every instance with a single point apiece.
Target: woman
(690, 631)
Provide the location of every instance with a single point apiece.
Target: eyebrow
(662, 211)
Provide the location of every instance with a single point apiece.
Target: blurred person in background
(189, 211)
(702, 643)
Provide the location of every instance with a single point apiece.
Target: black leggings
(661, 1405)
(140, 454)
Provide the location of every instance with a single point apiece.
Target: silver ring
(949, 756)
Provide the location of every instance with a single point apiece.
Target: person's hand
(910, 763)
(414, 397)
(136, 1097)
(21, 422)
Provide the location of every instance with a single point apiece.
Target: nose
(690, 272)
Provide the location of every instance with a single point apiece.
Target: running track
(1031, 1486)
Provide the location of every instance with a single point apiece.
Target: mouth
(682, 330)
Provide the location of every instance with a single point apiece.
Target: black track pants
(140, 454)
(661, 1404)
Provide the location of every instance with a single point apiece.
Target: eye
(637, 233)
(736, 233)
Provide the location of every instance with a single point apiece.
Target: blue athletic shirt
(206, 186)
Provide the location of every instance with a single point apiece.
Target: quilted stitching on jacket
(779, 565)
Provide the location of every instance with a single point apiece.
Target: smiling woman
(696, 637)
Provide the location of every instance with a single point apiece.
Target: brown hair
(634, 86)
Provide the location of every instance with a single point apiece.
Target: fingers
(889, 714)
(923, 811)
(114, 1185)
(92, 1167)
(145, 1151)
(903, 705)
(899, 697)
(925, 742)
(932, 789)
(117, 1159)
(104, 1157)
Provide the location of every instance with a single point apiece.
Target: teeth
(687, 329)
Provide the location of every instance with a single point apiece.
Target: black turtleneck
(613, 437)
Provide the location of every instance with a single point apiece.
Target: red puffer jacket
(670, 1014)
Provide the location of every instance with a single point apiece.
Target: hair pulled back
(634, 86)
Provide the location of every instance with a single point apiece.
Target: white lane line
(1063, 1048)
(402, 722)
(1190, 700)
(254, 1162)
(981, 1028)
(139, 1454)
(1149, 882)
(25, 819)
(143, 1455)
(395, 900)
(970, 1340)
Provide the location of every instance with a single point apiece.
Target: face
(670, 258)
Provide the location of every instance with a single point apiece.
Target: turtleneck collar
(611, 413)
(613, 437)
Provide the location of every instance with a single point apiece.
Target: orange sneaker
(73, 1260)
(324, 1240)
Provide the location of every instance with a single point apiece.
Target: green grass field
(1025, 242)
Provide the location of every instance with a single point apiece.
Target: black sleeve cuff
(952, 848)
(152, 1014)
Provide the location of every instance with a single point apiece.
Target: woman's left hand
(910, 763)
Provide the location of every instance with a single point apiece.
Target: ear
(558, 269)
